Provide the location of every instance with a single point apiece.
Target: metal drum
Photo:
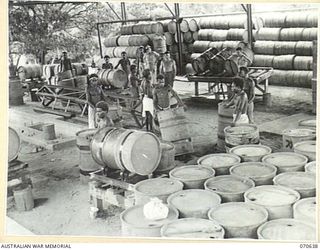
(14, 145)
(306, 148)
(306, 210)
(251, 153)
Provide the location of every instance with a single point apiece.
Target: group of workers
(150, 79)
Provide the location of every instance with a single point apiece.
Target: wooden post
(314, 77)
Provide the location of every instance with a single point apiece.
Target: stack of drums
(240, 135)
(87, 164)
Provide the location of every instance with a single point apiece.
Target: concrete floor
(61, 201)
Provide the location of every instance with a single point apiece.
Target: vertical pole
(99, 38)
(177, 13)
(123, 12)
(249, 24)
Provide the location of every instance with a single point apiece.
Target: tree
(51, 28)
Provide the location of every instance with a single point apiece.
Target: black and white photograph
(164, 121)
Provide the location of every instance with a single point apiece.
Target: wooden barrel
(204, 35)
(292, 78)
(230, 187)
(263, 60)
(192, 176)
(225, 117)
(278, 200)
(294, 21)
(269, 34)
(141, 28)
(236, 22)
(204, 23)
(235, 34)
(126, 30)
(29, 71)
(109, 51)
(146, 28)
(48, 70)
(239, 219)
(195, 36)
(286, 161)
(167, 157)
(311, 167)
(193, 25)
(194, 203)
(304, 183)
(292, 136)
(218, 35)
(184, 26)
(13, 145)
(135, 224)
(241, 134)
(306, 210)
(86, 162)
(260, 173)
(23, 198)
(16, 92)
(312, 20)
(161, 188)
(275, 21)
(220, 162)
(284, 48)
(250, 152)
(169, 38)
(138, 40)
(230, 44)
(287, 230)
(306, 148)
(283, 62)
(172, 27)
(123, 41)
(219, 23)
(217, 64)
(193, 228)
(217, 45)
(157, 28)
(291, 34)
(81, 81)
(159, 44)
(136, 151)
(187, 37)
(309, 34)
(132, 52)
(302, 63)
(200, 64)
(201, 46)
(115, 77)
(264, 47)
(111, 41)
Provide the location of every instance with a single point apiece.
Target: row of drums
(205, 201)
(169, 26)
(291, 20)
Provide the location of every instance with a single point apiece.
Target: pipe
(249, 23)
(178, 21)
(99, 39)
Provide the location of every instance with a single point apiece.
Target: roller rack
(51, 95)
(219, 87)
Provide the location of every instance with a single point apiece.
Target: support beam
(178, 21)
(244, 8)
(99, 40)
(169, 9)
(249, 25)
(123, 13)
(114, 12)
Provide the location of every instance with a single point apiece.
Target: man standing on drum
(168, 69)
(150, 62)
(240, 102)
(248, 87)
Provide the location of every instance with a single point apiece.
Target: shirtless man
(168, 69)
(150, 62)
(248, 87)
(240, 102)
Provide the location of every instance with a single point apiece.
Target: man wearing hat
(150, 62)
(107, 64)
(94, 95)
(168, 69)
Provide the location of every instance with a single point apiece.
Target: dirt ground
(62, 202)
